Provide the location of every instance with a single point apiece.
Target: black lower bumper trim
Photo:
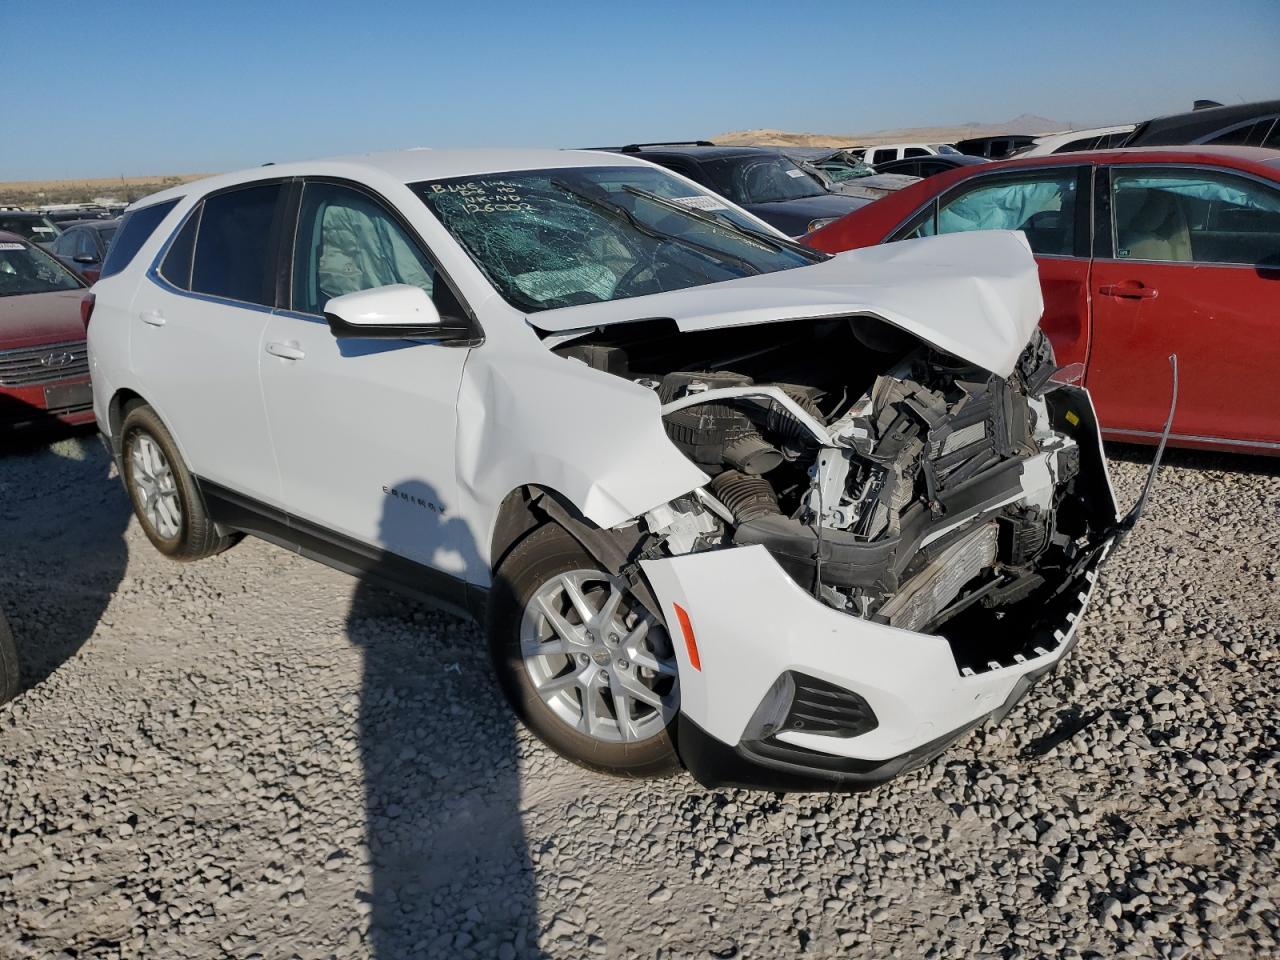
(772, 764)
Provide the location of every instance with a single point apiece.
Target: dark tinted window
(883, 156)
(915, 152)
(135, 228)
(234, 243)
(176, 267)
(1245, 135)
(1273, 138)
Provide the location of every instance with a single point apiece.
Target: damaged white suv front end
(900, 527)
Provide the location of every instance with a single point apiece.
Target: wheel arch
(530, 507)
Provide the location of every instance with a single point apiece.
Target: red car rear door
(1187, 262)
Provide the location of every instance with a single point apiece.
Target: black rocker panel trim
(452, 594)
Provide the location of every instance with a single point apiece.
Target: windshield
(557, 238)
(945, 148)
(761, 179)
(37, 228)
(840, 169)
(26, 269)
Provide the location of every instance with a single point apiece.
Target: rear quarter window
(135, 229)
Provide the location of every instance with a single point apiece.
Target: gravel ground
(256, 756)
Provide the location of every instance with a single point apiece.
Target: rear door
(1050, 205)
(1191, 266)
(197, 335)
(364, 429)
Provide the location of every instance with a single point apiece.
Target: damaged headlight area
(892, 481)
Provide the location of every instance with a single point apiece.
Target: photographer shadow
(450, 870)
(62, 546)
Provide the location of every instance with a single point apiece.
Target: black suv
(1241, 124)
(759, 179)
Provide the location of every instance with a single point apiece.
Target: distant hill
(765, 137)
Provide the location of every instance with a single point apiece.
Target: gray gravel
(255, 756)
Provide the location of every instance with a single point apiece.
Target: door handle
(1129, 290)
(154, 317)
(285, 351)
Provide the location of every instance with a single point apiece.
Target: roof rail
(636, 147)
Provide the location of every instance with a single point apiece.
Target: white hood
(973, 295)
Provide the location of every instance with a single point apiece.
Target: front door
(1193, 269)
(364, 429)
(1050, 206)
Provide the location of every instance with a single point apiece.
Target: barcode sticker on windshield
(11, 246)
(701, 202)
(795, 173)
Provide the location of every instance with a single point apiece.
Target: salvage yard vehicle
(83, 245)
(846, 173)
(761, 180)
(29, 225)
(798, 521)
(919, 167)
(1142, 254)
(44, 365)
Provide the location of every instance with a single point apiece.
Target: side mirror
(399, 311)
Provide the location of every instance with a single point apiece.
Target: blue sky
(161, 87)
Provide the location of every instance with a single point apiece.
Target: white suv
(794, 520)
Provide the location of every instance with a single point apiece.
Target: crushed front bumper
(751, 623)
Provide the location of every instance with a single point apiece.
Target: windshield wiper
(779, 244)
(619, 212)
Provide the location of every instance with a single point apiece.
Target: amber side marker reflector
(689, 642)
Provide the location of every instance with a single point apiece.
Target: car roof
(698, 152)
(1198, 123)
(405, 166)
(1243, 157)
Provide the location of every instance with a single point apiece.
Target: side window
(1246, 135)
(176, 267)
(86, 246)
(915, 152)
(65, 245)
(136, 227)
(1273, 138)
(234, 245)
(1201, 216)
(883, 156)
(347, 241)
(1043, 206)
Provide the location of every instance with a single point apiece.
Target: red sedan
(1142, 253)
(44, 366)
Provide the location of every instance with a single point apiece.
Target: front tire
(164, 494)
(584, 665)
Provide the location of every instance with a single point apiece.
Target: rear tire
(165, 497)
(620, 660)
(9, 679)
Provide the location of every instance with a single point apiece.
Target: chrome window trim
(1223, 131)
(1190, 166)
(1270, 445)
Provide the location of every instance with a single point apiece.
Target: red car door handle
(1129, 290)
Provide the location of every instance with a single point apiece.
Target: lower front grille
(47, 363)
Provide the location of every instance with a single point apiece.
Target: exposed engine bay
(894, 482)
